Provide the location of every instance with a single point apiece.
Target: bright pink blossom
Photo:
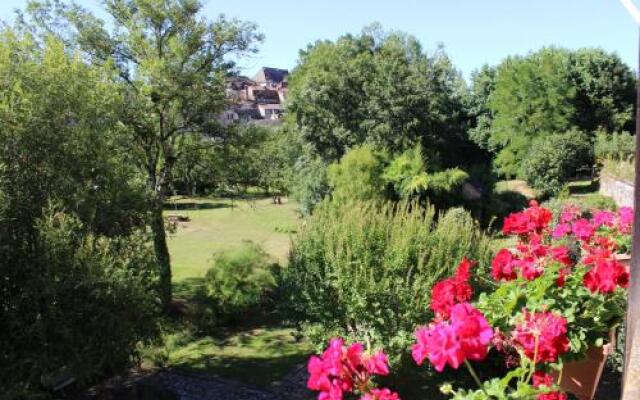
(561, 230)
(570, 213)
(465, 336)
(341, 369)
(380, 394)
(542, 335)
(583, 230)
(603, 218)
(625, 219)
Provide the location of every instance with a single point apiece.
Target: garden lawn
(259, 351)
(219, 224)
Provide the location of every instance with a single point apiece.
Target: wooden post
(631, 379)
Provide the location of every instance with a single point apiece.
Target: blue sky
(473, 32)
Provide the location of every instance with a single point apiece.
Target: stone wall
(621, 191)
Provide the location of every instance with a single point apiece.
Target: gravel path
(176, 385)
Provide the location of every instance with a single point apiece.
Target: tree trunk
(162, 254)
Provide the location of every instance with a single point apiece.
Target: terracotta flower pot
(582, 377)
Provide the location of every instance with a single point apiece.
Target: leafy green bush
(618, 146)
(357, 176)
(621, 169)
(408, 175)
(240, 280)
(78, 302)
(364, 270)
(552, 160)
(309, 182)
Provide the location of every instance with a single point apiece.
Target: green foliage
(618, 146)
(364, 270)
(408, 175)
(78, 289)
(624, 170)
(379, 88)
(310, 185)
(239, 280)
(171, 65)
(547, 92)
(78, 301)
(357, 176)
(552, 160)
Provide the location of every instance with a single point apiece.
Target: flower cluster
(465, 336)
(448, 292)
(534, 251)
(341, 369)
(529, 260)
(542, 336)
(533, 220)
(542, 380)
(602, 222)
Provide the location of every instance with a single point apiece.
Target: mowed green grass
(222, 224)
(259, 350)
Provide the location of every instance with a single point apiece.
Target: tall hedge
(364, 270)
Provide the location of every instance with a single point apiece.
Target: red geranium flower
(450, 291)
(532, 220)
(606, 275)
(503, 266)
(541, 379)
(542, 335)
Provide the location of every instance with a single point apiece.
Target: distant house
(258, 99)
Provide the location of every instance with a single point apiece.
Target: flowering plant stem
(475, 377)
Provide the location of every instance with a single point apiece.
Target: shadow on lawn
(255, 371)
(209, 205)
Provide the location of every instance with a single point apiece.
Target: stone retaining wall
(621, 191)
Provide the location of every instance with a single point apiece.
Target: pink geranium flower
(465, 336)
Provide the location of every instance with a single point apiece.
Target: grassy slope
(259, 351)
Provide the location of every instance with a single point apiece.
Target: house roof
(268, 74)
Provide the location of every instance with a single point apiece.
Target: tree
(380, 89)
(532, 97)
(77, 273)
(548, 92)
(172, 65)
(605, 91)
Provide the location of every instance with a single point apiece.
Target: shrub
(309, 182)
(357, 176)
(552, 160)
(78, 302)
(361, 270)
(620, 169)
(616, 146)
(240, 280)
